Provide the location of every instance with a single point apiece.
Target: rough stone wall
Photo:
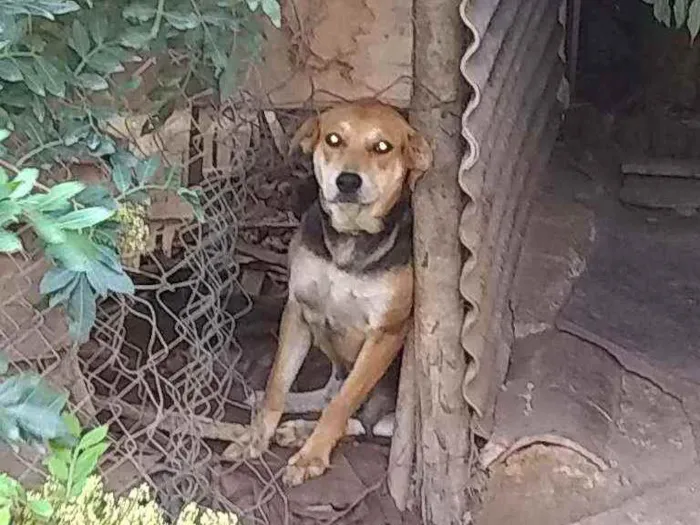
(331, 50)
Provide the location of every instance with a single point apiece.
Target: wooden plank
(662, 167)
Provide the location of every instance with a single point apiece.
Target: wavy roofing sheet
(514, 67)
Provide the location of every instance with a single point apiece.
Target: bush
(66, 70)
(74, 495)
(681, 13)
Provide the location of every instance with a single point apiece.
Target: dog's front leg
(294, 345)
(375, 357)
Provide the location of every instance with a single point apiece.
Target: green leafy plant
(74, 493)
(71, 465)
(30, 411)
(66, 69)
(681, 13)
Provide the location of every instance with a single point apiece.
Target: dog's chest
(334, 299)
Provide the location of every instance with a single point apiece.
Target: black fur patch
(317, 234)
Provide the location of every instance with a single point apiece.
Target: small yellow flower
(134, 234)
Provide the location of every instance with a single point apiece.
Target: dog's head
(364, 155)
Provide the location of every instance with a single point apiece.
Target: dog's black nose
(348, 182)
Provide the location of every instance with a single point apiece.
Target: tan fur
(361, 126)
(356, 319)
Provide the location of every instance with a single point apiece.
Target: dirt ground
(644, 431)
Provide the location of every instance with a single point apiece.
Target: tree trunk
(441, 417)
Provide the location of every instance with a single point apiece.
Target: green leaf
(72, 424)
(38, 108)
(694, 19)
(46, 228)
(9, 210)
(31, 408)
(5, 515)
(96, 195)
(253, 4)
(54, 279)
(58, 7)
(93, 437)
(139, 12)
(62, 295)
(680, 11)
(4, 134)
(9, 71)
(58, 468)
(181, 20)
(9, 242)
(41, 508)
(121, 176)
(228, 81)
(80, 39)
(110, 258)
(51, 77)
(9, 488)
(81, 311)
(135, 38)
(146, 169)
(75, 253)
(59, 195)
(85, 218)
(98, 27)
(23, 182)
(92, 82)
(105, 62)
(662, 11)
(31, 78)
(104, 279)
(272, 9)
(85, 465)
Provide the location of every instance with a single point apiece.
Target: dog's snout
(348, 182)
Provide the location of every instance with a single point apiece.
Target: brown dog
(351, 272)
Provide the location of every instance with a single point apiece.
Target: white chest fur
(334, 298)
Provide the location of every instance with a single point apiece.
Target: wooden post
(442, 417)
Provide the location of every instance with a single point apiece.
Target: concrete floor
(652, 477)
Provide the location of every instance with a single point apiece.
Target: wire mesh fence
(162, 366)
(168, 369)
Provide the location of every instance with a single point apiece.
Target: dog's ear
(306, 136)
(419, 157)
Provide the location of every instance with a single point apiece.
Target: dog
(351, 272)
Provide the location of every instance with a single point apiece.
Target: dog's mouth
(344, 198)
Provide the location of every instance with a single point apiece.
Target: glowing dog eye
(383, 147)
(333, 140)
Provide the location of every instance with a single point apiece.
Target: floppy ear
(306, 136)
(419, 157)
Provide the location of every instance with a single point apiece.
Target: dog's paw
(293, 434)
(249, 445)
(305, 465)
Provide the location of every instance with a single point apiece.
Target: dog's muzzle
(348, 184)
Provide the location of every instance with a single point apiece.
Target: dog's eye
(333, 140)
(382, 147)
